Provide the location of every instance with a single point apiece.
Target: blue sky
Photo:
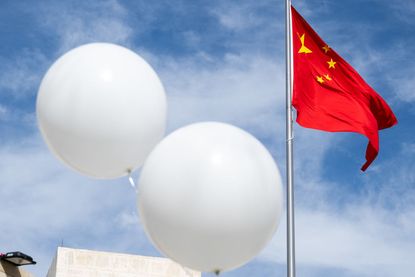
(223, 61)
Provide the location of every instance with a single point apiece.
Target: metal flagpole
(289, 145)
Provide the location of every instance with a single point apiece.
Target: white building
(86, 263)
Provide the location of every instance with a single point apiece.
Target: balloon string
(132, 183)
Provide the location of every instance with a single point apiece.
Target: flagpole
(289, 145)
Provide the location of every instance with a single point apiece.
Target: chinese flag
(330, 95)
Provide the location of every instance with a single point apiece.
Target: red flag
(330, 95)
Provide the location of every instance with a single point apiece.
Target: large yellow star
(320, 79)
(326, 48)
(303, 49)
(331, 63)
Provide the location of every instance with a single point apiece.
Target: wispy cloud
(244, 90)
(370, 234)
(85, 22)
(241, 16)
(20, 76)
(251, 25)
(403, 85)
(4, 113)
(49, 204)
(73, 25)
(401, 11)
(360, 239)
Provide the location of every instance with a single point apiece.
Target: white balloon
(210, 196)
(101, 109)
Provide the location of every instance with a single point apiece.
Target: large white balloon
(101, 109)
(210, 196)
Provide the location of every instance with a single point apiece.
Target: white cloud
(20, 75)
(127, 219)
(244, 90)
(4, 112)
(238, 17)
(361, 239)
(404, 85)
(192, 39)
(45, 203)
(253, 26)
(402, 11)
(370, 234)
(102, 21)
(408, 148)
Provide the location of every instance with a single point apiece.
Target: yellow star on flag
(327, 76)
(326, 48)
(303, 49)
(331, 63)
(320, 79)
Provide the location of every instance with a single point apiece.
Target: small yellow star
(320, 79)
(331, 63)
(327, 76)
(326, 48)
